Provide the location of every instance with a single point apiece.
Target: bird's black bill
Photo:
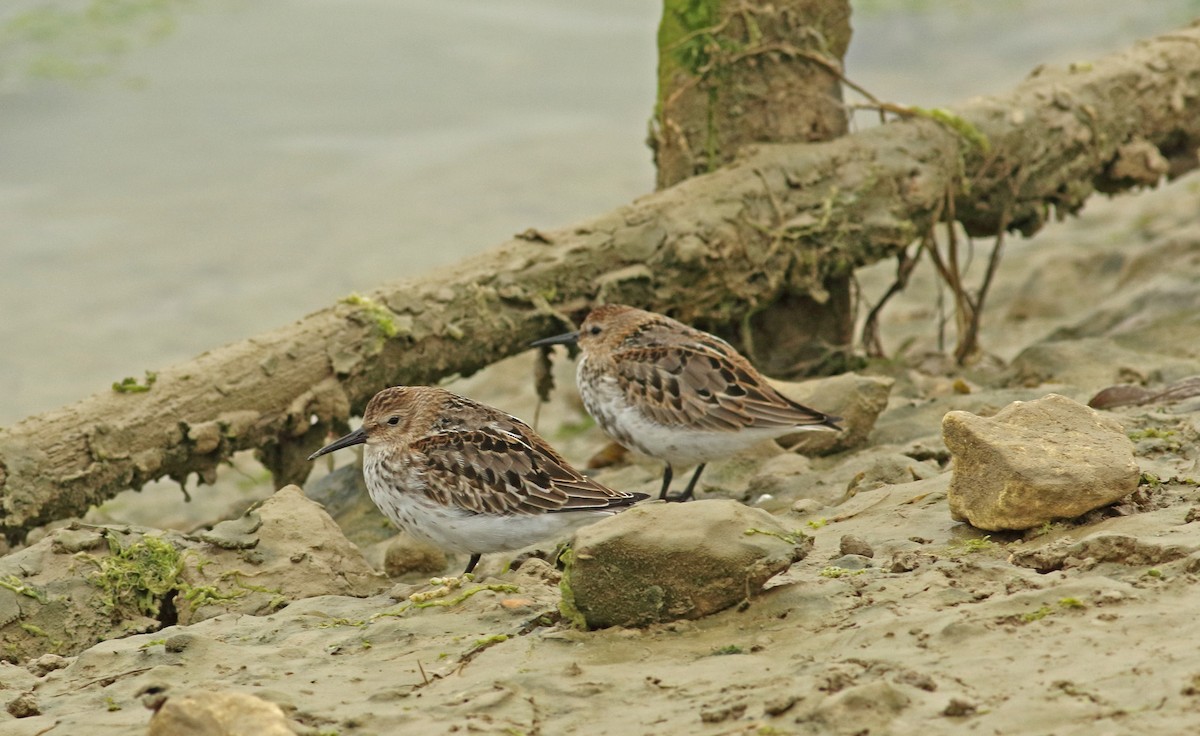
(569, 338)
(357, 437)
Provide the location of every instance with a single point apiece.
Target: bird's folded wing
(705, 387)
(492, 470)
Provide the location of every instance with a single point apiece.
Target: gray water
(266, 158)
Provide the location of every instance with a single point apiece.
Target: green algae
(130, 385)
(566, 603)
(139, 577)
(373, 314)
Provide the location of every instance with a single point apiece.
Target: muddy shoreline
(1081, 626)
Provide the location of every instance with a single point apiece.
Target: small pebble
(804, 506)
(903, 562)
(959, 707)
(178, 643)
(46, 664)
(517, 605)
(780, 705)
(852, 545)
(24, 706)
(918, 680)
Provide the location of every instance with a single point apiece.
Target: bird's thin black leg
(472, 563)
(667, 472)
(691, 486)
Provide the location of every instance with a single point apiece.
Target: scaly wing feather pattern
(498, 471)
(702, 383)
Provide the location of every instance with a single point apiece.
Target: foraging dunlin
(676, 393)
(469, 478)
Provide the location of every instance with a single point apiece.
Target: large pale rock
(287, 549)
(219, 714)
(1034, 462)
(667, 561)
(858, 400)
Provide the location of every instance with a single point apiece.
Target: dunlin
(676, 393)
(469, 478)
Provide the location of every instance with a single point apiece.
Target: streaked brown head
(389, 417)
(605, 329)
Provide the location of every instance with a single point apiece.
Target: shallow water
(264, 159)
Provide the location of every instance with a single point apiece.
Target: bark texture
(733, 72)
(708, 251)
(738, 72)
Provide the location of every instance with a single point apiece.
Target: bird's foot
(678, 497)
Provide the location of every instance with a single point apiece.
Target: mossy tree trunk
(734, 73)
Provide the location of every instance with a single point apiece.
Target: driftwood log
(711, 251)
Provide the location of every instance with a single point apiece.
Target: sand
(1079, 627)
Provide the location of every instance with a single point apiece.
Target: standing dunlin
(469, 478)
(676, 393)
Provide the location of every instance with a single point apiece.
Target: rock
(625, 571)
(959, 708)
(70, 540)
(235, 534)
(219, 714)
(58, 600)
(852, 545)
(806, 506)
(1034, 462)
(15, 679)
(858, 400)
(179, 643)
(295, 551)
(46, 664)
(919, 680)
(903, 561)
(406, 555)
(23, 706)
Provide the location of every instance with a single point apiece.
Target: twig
(871, 341)
(110, 679)
(776, 231)
(981, 295)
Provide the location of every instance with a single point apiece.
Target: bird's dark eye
(595, 330)
(393, 421)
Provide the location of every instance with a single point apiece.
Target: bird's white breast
(400, 495)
